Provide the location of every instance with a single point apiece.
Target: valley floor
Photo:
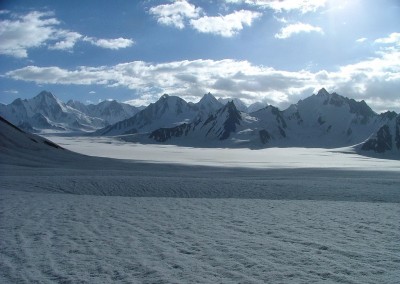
(313, 216)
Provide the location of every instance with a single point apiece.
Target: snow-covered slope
(110, 111)
(168, 111)
(218, 126)
(255, 107)
(45, 111)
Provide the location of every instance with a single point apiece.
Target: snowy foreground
(181, 215)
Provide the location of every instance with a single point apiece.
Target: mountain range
(47, 112)
(325, 120)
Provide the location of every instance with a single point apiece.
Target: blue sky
(272, 51)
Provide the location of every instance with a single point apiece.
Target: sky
(271, 51)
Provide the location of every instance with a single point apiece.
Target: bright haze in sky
(272, 51)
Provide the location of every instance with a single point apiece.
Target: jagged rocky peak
(238, 103)
(230, 106)
(388, 115)
(209, 96)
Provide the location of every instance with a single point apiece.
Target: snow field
(167, 214)
(275, 158)
(63, 238)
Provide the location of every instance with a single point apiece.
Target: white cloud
(68, 40)
(227, 25)
(176, 13)
(21, 33)
(303, 6)
(376, 79)
(36, 29)
(361, 40)
(297, 28)
(392, 38)
(117, 43)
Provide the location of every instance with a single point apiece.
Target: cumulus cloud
(181, 12)
(176, 13)
(227, 25)
(19, 33)
(392, 38)
(376, 79)
(297, 28)
(303, 6)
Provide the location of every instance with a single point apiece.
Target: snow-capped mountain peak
(208, 104)
(168, 111)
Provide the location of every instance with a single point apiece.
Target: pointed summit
(208, 104)
(208, 97)
(46, 94)
(323, 92)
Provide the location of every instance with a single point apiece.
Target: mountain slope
(168, 111)
(109, 111)
(218, 126)
(21, 148)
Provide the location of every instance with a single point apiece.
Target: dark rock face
(231, 121)
(279, 116)
(397, 137)
(164, 134)
(382, 142)
(264, 136)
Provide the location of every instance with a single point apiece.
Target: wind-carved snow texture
(69, 218)
(58, 238)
